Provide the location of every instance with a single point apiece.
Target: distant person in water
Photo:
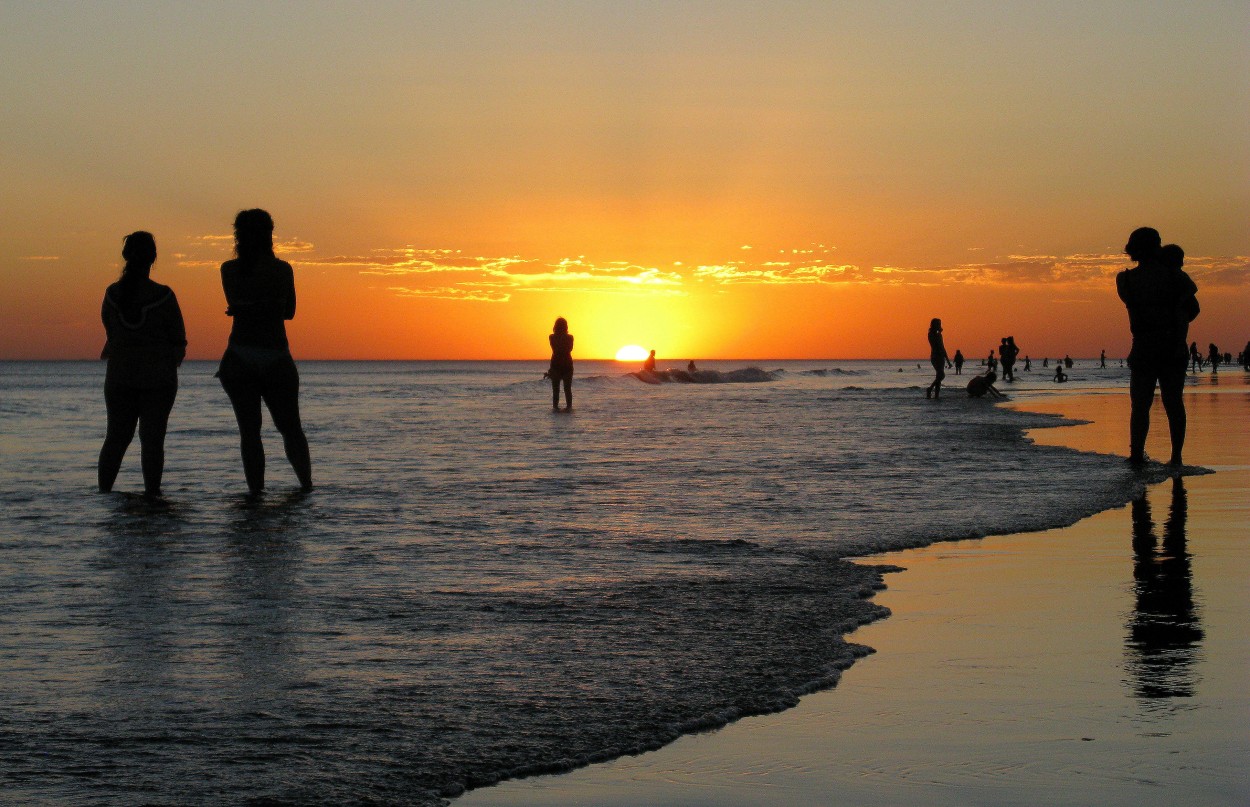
(1060, 375)
(959, 362)
(937, 357)
(561, 370)
(991, 362)
(1028, 365)
(1161, 302)
(1214, 358)
(146, 343)
(690, 368)
(1045, 362)
(1102, 359)
(257, 365)
(1067, 361)
(648, 363)
(982, 385)
(1195, 357)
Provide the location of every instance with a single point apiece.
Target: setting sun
(631, 353)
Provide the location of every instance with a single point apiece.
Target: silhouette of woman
(146, 343)
(257, 365)
(937, 357)
(561, 370)
(959, 362)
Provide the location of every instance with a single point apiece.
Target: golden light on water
(631, 353)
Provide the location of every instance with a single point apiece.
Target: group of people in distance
(147, 342)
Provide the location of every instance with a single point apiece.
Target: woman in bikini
(146, 343)
(561, 371)
(257, 365)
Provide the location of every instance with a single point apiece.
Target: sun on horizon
(631, 353)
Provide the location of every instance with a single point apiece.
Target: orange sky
(711, 180)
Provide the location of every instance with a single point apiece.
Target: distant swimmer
(937, 357)
(146, 344)
(983, 385)
(561, 370)
(257, 365)
(1161, 300)
(690, 368)
(959, 362)
(1060, 375)
(648, 364)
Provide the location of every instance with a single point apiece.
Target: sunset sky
(734, 180)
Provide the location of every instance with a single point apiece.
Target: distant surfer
(983, 385)
(145, 346)
(648, 364)
(937, 357)
(561, 370)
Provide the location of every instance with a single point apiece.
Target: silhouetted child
(982, 385)
(1060, 375)
(959, 362)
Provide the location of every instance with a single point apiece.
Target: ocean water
(478, 587)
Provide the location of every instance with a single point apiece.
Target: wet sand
(1103, 663)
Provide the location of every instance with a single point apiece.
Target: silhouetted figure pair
(146, 343)
(561, 370)
(1162, 301)
(1008, 352)
(257, 365)
(937, 357)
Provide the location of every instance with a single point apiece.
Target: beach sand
(1057, 668)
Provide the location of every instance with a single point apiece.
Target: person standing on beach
(1213, 358)
(147, 342)
(257, 365)
(561, 370)
(937, 357)
(1161, 303)
(959, 362)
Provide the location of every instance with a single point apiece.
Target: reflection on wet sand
(1164, 632)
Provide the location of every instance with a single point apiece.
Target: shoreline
(821, 751)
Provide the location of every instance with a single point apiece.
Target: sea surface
(478, 587)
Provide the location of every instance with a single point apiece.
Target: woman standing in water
(257, 365)
(146, 343)
(561, 370)
(937, 357)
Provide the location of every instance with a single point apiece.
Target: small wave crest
(746, 375)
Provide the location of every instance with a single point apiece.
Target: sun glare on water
(631, 353)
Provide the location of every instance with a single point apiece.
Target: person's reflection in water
(1164, 631)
